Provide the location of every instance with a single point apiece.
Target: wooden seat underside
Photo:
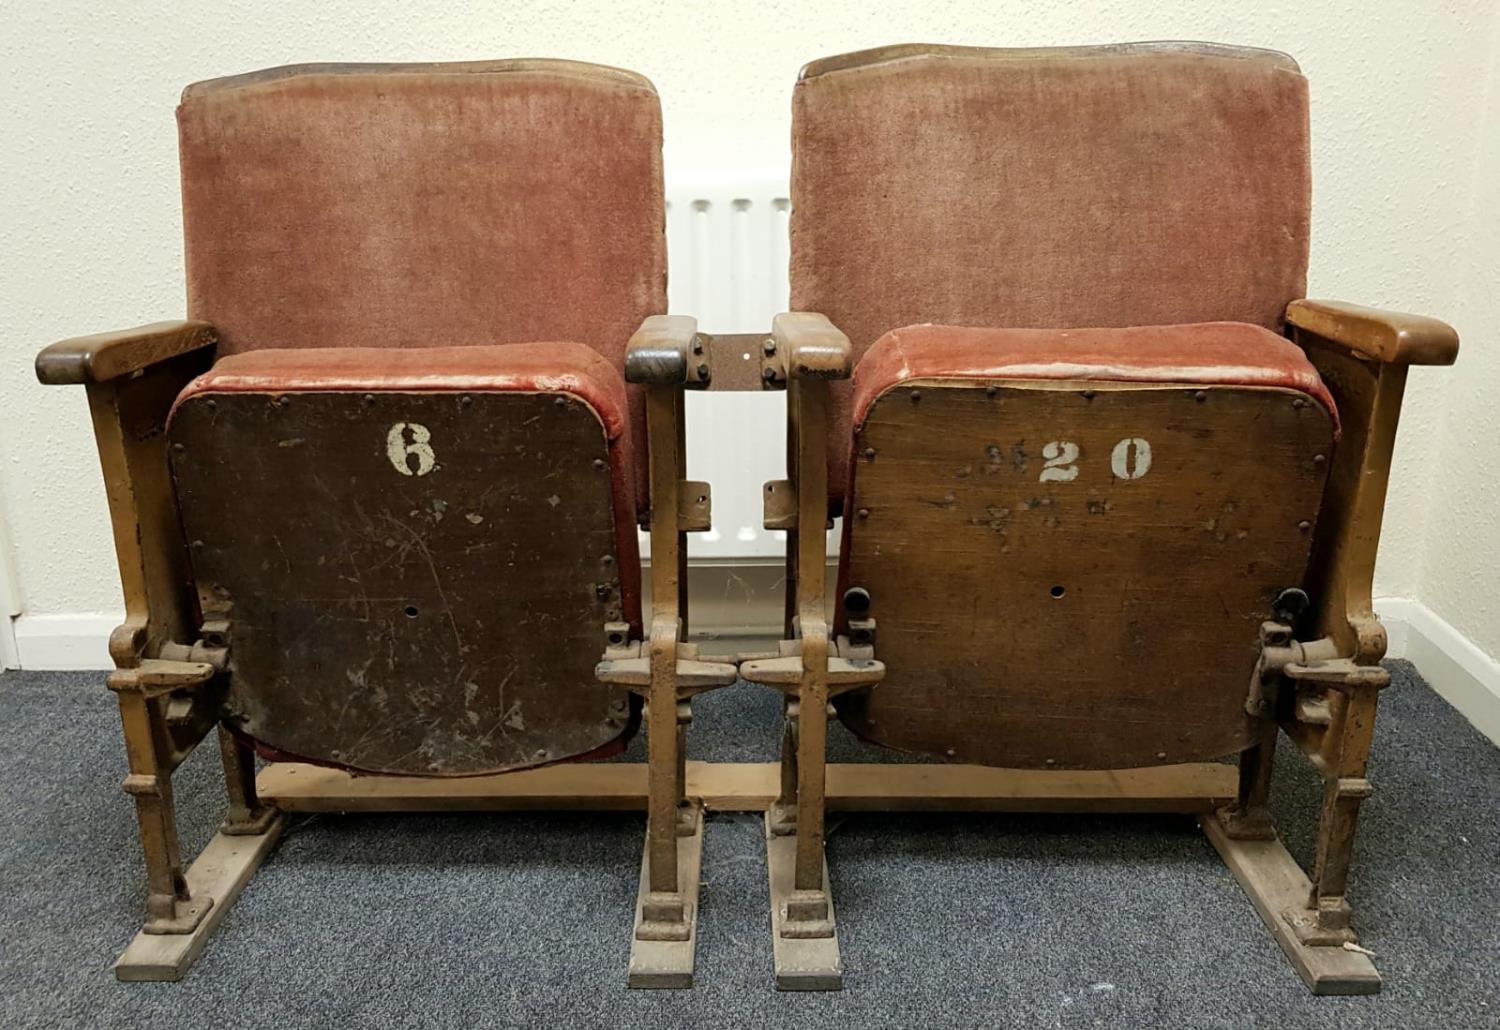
(414, 582)
(1071, 574)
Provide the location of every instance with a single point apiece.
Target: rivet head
(703, 372)
(769, 375)
(1318, 459)
(178, 448)
(769, 346)
(608, 559)
(283, 401)
(951, 752)
(1051, 761)
(1200, 396)
(369, 398)
(1161, 755)
(466, 400)
(599, 463)
(990, 391)
(869, 452)
(1298, 402)
(916, 395)
(561, 402)
(1304, 525)
(1088, 395)
(863, 513)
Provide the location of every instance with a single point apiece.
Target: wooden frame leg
(246, 816)
(1249, 818)
(666, 917)
(1309, 916)
(170, 905)
(782, 815)
(804, 936)
(184, 908)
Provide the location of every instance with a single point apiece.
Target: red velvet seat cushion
(567, 368)
(1207, 353)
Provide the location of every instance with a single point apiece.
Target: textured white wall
(1460, 572)
(90, 233)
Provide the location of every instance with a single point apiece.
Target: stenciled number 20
(1130, 459)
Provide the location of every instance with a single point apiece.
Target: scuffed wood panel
(414, 582)
(1073, 575)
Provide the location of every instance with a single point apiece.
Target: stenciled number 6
(401, 452)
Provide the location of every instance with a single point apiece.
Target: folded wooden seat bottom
(1069, 538)
(413, 553)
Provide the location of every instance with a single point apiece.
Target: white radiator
(727, 252)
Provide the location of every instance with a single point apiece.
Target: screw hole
(1058, 591)
(411, 611)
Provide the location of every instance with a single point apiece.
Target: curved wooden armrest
(105, 356)
(667, 351)
(1385, 336)
(809, 346)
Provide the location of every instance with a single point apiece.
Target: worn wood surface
(1393, 337)
(669, 964)
(1341, 573)
(103, 357)
(753, 786)
(219, 874)
(130, 419)
(1275, 883)
(414, 582)
(1046, 595)
(667, 351)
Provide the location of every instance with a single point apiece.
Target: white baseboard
(1451, 663)
(745, 600)
(65, 642)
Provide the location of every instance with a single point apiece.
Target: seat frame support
(1325, 704)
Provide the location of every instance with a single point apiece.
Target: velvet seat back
(425, 205)
(1145, 184)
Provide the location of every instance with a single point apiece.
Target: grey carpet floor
(946, 920)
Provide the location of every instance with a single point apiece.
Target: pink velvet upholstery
(566, 368)
(1206, 353)
(419, 206)
(1152, 184)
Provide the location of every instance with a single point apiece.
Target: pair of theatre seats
(1106, 480)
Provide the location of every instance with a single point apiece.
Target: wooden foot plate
(1275, 882)
(220, 872)
(802, 964)
(669, 963)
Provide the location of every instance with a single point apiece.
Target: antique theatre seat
(375, 504)
(1111, 489)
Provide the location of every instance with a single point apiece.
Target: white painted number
(1060, 456)
(401, 451)
(1131, 458)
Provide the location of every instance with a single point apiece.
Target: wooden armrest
(1385, 336)
(105, 356)
(667, 351)
(808, 346)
